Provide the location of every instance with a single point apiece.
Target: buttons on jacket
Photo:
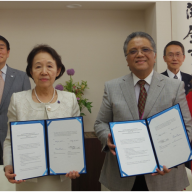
(48, 108)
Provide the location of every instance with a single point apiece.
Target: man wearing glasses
(174, 56)
(139, 95)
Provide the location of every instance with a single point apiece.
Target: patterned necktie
(1, 85)
(142, 98)
(175, 77)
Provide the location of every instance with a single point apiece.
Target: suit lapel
(155, 89)
(183, 77)
(165, 73)
(128, 91)
(9, 79)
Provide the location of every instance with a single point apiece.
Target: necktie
(175, 77)
(142, 98)
(1, 85)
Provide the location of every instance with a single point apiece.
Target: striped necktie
(142, 98)
(1, 85)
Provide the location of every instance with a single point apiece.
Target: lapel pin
(188, 85)
(11, 75)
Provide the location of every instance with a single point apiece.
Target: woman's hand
(10, 175)
(73, 174)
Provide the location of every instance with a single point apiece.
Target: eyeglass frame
(140, 51)
(175, 55)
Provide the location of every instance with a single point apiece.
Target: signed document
(144, 145)
(47, 147)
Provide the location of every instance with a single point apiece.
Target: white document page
(169, 139)
(134, 148)
(66, 152)
(28, 150)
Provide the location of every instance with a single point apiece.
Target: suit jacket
(186, 78)
(15, 81)
(1, 155)
(119, 104)
(23, 108)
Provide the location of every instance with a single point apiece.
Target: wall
(150, 23)
(90, 41)
(163, 31)
(180, 28)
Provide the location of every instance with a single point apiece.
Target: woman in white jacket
(43, 102)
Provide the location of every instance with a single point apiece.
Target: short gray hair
(139, 34)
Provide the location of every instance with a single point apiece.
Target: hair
(5, 41)
(174, 43)
(138, 34)
(44, 48)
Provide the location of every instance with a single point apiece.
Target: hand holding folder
(152, 145)
(110, 144)
(10, 175)
(48, 147)
(159, 172)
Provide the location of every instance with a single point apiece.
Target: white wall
(180, 28)
(150, 23)
(163, 31)
(90, 41)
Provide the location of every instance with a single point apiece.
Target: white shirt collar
(4, 69)
(147, 79)
(171, 74)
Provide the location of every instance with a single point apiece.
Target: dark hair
(5, 41)
(44, 48)
(175, 43)
(139, 34)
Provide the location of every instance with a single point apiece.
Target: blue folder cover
(45, 124)
(147, 122)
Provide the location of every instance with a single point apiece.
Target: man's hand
(165, 170)
(110, 144)
(10, 175)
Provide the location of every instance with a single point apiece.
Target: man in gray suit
(14, 81)
(121, 103)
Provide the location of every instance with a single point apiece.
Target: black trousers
(140, 184)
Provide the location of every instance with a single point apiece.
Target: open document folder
(144, 145)
(47, 147)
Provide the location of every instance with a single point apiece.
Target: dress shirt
(4, 71)
(137, 87)
(171, 74)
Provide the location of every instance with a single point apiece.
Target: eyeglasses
(177, 55)
(144, 51)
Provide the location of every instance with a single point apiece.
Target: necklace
(41, 101)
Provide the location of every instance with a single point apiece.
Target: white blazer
(23, 108)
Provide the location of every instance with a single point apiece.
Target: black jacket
(186, 78)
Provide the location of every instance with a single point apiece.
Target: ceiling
(88, 5)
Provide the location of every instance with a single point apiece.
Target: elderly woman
(43, 102)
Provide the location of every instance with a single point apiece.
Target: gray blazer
(119, 104)
(15, 81)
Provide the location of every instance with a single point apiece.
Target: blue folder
(146, 122)
(46, 124)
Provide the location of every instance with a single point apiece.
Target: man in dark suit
(174, 56)
(12, 81)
